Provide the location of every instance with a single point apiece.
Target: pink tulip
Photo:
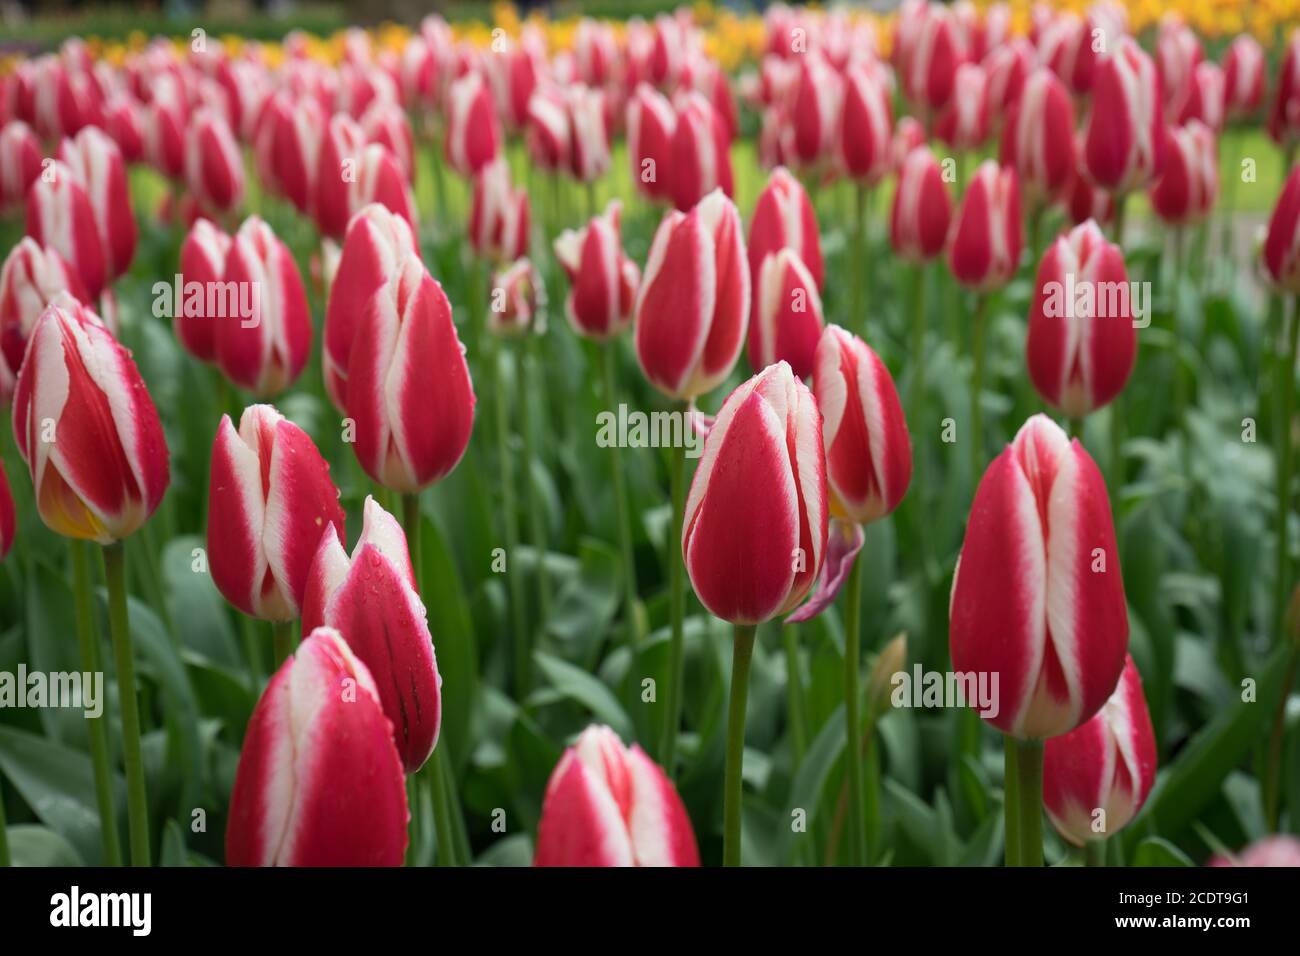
(700, 153)
(603, 280)
(1083, 200)
(931, 71)
(514, 309)
(908, 135)
(319, 781)
(866, 125)
(379, 179)
(987, 234)
(408, 386)
(473, 131)
(203, 261)
(1009, 67)
(755, 524)
(784, 218)
(693, 304)
(31, 279)
(1279, 849)
(589, 144)
(1038, 138)
(336, 171)
(922, 210)
(814, 110)
(1055, 631)
(1123, 145)
(87, 429)
(499, 214)
(20, 163)
(214, 166)
(1188, 186)
(964, 123)
(372, 598)
(596, 51)
(1243, 77)
(386, 123)
(611, 805)
(651, 122)
(1107, 764)
(1282, 243)
(124, 122)
(1178, 51)
(1081, 349)
(96, 162)
(548, 133)
(787, 322)
(163, 123)
(60, 215)
(8, 516)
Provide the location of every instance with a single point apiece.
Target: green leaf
(579, 686)
(31, 845)
(1155, 851)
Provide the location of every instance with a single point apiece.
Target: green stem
(531, 404)
(852, 697)
(591, 199)
(608, 356)
(1121, 202)
(439, 781)
(741, 656)
(677, 606)
(977, 388)
(1176, 327)
(859, 264)
(95, 725)
(1286, 372)
(510, 519)
(137, 802)
(1011, 799)
(1094, 853)
(281, 641)
(1273, 766)
(411, 527)
(1029, 800)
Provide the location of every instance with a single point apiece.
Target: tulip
(123, 122)
(1107, 764)
(1123, 145)
(603, 280)
(1038, 139)
(788, 316)
(499, 214)
(1082, 199)
(1243, 77)
(1009, 66)
(265, 350)
(964, 123)
(700, 153)
(814, 110)
(20, 163)
(589, 147)
(371, 598)
(64, 99)
(421, 73)
(319, 781)
(693, 304)
(31, 279)
(60, 215)
(595, 49)
(377, 241)
(611, 805)
(1080, 352)
(214, 167)
(1205, 98)
(516, 288)
(8, 516)
(163, 125)
(931, 71)
(908, 135)
(548, 132)
(203, 261)
(385, 122)
(473, 131)
(753, 556)
(1188, 185)
(293, 135)
(651, 122)
(987, 234)
(922, 209)
(866, 125)
(96, 162)
(1280, 849)
(408, 386)
(379, 179)
(336, 172)
(271, 496)
(1178, 51)
(784, 218)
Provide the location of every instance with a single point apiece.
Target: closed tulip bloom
(602, 279)
(124, 122)
(203, 260)
(756, 519)
(1205, 97)
(611, 805)
(693, 304)
(931, 72)
(380, 180)
(1178, 51)
(547, 131)
(376, 243)
(319, 781)
(296, 137)
(787, 321)
(784, 218)
(20, 162)
(1038, 138)
(372, 598)
(987, 234)
(908, 135)
(1009, 67)
(96, 162)
(8, 516)
(271, 497)
(409, 389)
(866, 125)
(814, 111)
(264, 352)
(700, 153)
(595, 48)
(589, 146)
(473, 130)
(336, 173)
(214, 166)
(1107, 764)
(964, 123)
(1188, 186)
(1282, 242)
(163, 123)
(499, 214)
(30, 280)
(1123, 145)
(1080, 349)
(922, 209)
(1243, 77)
(102, 470)
(1083, 200)
(385, 122)
(514, 300)
(60, 215)
(1280, 849)
(1055, 630)
(651, 122)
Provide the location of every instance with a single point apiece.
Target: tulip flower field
(808, 437)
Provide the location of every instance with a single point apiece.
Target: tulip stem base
(95, 725)
(742, 655)
(677, 604)
(852, 697)
(137, 802)
(1024, 802)
(1094, 853)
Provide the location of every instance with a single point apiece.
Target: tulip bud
(296, 130)
(964, 123)
(1178, 51)
(123, 122)
(868, 451)
(589, 147)
(1038, 138)
(8, 516)
(319, 780)
(651, 123)
(514, 300)
(1107, 764)
(20, 163)
(1280, 849)
(931, 70)
(611, 805)
(788, 317)
(473, 131)
(814, 112)
(163, 124)
(380, 180)
(1056, 631)
(1081, 349)
(784, 219)
(693, 304)
(96, 162)
(372, 598)
(336, 172)
(499, 214)
(987, 234)
(385, 123)
(603, 281)
(922, 208)
(214, 166)
(409, 389)
(908, 135)
(377, 241)
(1281, 246)
(203, 261)
(87, 429)
(1243, 77)
(1189, 183)
(1009, 67)
(755, 523)
(30, 280)
(1123, 146)
(866, 125)
(265, 348)
(1083, 200)
(548, 132)
(60, 215)
(700, 152)
(1205, 97)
